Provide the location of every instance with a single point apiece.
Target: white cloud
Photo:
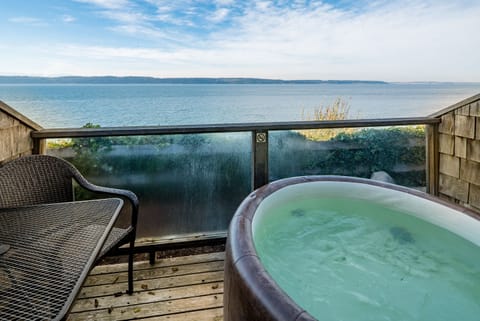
(219, 15)
(107, 4)
(262, 5)
(28, 21)
(135, 30)
(68, 18)
(125, 16)
(224, 2)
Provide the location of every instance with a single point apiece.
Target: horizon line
(210, 80)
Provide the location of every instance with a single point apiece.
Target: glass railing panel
(186, 183)
(361, 152)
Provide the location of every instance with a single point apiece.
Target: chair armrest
(129, 195)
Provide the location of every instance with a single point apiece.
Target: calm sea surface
(159, 104)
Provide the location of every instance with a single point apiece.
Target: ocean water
(57, 106)
(346, 259)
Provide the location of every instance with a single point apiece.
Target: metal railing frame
(259, 132)
(260, 138)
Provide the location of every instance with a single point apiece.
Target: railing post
(259, 158)
(39, 146)
(432, 158)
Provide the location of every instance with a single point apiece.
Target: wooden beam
(432, 157)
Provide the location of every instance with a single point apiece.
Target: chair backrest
(35, 179)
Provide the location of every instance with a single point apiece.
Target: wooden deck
(182, 288)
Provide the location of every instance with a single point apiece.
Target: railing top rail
(224, 128)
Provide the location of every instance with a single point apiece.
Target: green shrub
(358, 153)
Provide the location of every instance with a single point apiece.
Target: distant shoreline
(153, 80)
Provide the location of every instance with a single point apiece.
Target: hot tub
(342, 248)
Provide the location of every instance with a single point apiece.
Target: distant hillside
(152, 80)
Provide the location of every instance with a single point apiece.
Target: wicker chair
(40, 179)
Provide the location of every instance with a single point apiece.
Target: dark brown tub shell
(250, 293)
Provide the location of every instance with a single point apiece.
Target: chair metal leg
(130, 265)
(152, 257)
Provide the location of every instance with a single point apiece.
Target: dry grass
(338, 110)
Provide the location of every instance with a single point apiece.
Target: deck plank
(151, 296)
(154, 273)
(202, 315)
(182, 288)
(111, 289)
(170, 261)
(137, 311)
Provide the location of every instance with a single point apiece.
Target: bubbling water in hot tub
(352, 258)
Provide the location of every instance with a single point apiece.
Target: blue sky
(396, 40)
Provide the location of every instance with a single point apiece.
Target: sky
(395, 40)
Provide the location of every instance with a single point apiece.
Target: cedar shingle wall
(15, 138)
(459, 159)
